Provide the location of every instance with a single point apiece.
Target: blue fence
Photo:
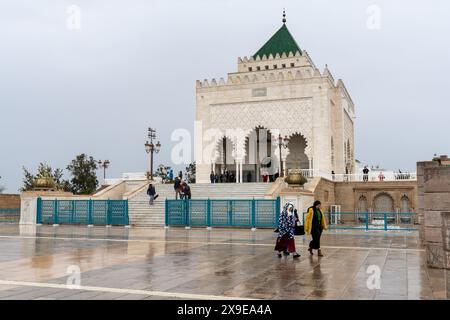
(255, 213)
(371, 220)
(9, 215)
(89, 212)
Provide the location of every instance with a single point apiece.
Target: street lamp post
(282, 142)
(151, 148)
(104, 164)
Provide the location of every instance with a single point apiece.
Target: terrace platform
(175, 263)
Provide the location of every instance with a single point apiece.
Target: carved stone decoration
(289, 116)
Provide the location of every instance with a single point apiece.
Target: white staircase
(143, 215)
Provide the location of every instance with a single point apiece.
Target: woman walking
(286, 226)
(315, 223)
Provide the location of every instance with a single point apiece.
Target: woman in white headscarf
(286, 227)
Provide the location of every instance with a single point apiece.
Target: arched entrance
(363, 209)
(259, 156)
(383, 203)
(405, 209)
(404, 205)
(363, 204)
(297, 158)
(225, 166)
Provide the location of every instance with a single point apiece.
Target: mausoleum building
(277, 99)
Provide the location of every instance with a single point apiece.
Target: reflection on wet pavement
(158, 263)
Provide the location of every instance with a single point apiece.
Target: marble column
(240, 172)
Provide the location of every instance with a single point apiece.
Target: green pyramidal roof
(281, 41)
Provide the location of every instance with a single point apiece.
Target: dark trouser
(315, 242)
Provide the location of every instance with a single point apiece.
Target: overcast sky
(133, 64)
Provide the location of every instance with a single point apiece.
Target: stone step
(142, 214)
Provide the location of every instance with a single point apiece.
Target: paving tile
(187, 261)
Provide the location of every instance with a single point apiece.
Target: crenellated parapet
(237, 79)
(277, 56)
(308, 58)
(278, 61)
(326, 73)
(267, 76)
(284, 67)
(341, 86)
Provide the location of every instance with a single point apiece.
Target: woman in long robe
(286, 226)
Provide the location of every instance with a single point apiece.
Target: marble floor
(77, 262)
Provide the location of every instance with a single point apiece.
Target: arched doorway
(382, 204)
(226, 164)
(297, 158)
(363, 209)
(405, 209)
(363, 205)
(259, 156)
(404, 205)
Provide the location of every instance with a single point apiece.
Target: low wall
(9, 201)
(325, 191)
(348, 193)
(28, 203)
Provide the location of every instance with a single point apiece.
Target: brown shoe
(319, 253)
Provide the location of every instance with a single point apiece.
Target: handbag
(299, 230)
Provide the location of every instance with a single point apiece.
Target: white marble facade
(280, 94)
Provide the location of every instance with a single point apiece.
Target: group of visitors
(182, 189)
(226, 176)
(288, 227)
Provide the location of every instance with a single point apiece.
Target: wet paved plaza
(156, 263)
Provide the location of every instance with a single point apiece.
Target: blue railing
(254, 213)
(89, 212)
(371, 220)
(10, 215)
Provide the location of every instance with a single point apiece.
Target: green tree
(61, 183)
(84, 176)
(28, 180)
(44, 171)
